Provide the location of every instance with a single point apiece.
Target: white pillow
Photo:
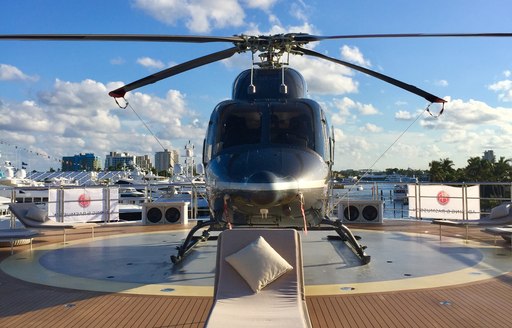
(259, 264)
(499, 211)
(37, 214)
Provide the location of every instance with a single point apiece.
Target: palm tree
(442, 170)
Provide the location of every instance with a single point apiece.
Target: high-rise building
(165, 160)
(144, 162)
(119, 160)
(489, 155)
(81, 162)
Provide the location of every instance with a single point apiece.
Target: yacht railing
(469, 204)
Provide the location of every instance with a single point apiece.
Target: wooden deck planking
(481, 304)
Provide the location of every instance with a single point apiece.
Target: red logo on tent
(443, 198)
(84, 200)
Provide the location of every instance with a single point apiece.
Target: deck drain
(346, 289)
(167, 290)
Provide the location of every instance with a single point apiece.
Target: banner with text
(444, 202)
(84, 204)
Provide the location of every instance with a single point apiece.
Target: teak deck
(482, 304)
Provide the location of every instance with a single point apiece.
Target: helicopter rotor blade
(121, 37)
(180, 68)
(411, 88)
(310, 38)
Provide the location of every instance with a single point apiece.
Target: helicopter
(268, 152)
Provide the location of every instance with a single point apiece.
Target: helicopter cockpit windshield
(278, 124)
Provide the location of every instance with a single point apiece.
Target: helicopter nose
(263, 197)
(262, 177)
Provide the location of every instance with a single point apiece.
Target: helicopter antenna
(251, 89)
(283, 89)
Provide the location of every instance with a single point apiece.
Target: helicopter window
(292, 127)
(240, 128)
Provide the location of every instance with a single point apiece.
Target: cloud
(441, 83)
(200, 16)
(354, 55)
(259, 4)
(117, 61)
(76, 117)
(504, 90)
(150, 62)
(347, 110)
(12, 73)
(372, 128)
(404, 115)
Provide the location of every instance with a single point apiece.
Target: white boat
(12, 177)
(400, 193)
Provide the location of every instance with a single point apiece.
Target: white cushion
(259, 264)
(37, 214)
(500, 211)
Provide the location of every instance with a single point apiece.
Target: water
(393, 209)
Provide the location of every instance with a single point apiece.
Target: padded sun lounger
(500, 215)
(280, 304)
(504, 232)
(15, 235)
(33, 217)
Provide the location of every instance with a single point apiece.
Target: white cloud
(372, 128)
(354, 55)
(441, 83)
(504, 90)
(403, 115)
(11, 73)
(76, 117)
(200, 16)
(347, 110)
(117, 61)
(260, 4)
(150, 62)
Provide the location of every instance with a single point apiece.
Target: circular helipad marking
(139, 263)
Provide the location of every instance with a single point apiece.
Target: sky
(54, 95)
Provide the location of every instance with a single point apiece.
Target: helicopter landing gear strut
(343, 232)
(192, 240)
(346, 235)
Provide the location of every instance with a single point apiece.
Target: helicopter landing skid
(346, 235)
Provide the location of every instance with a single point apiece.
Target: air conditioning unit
(165, 213)
(360, 211)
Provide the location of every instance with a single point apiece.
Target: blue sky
(54, 95)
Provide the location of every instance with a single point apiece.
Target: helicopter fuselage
(268, 153)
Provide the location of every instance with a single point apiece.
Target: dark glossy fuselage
(268, 155)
